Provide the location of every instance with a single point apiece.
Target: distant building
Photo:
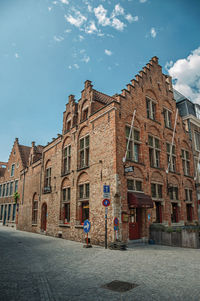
(190, 113)
(123, 141)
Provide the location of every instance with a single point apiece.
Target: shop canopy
(139, 200)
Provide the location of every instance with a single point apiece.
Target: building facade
(124, 141)
(190, 113)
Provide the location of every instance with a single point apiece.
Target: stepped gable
(24, 152)
(142, 76)
(102, 98)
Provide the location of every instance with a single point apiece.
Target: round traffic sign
(106, 202)
(86, 226)
(116, 221)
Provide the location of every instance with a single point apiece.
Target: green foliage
(16, 196)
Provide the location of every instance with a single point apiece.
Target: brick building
(123, 141)
(11, 182)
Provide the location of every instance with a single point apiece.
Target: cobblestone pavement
(37, 267)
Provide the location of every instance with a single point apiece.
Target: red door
(44, 217)
(134, 223)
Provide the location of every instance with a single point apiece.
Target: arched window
(35, 209)
(47, 178)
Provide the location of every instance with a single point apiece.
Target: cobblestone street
(36, 267)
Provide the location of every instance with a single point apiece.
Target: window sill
(159, 168)
(189, 176)
(135, 162)
(166, 127)
(174, 172)
(154, 120)
(65, 225)
(82, 168)
(79, 226)
(65, 173)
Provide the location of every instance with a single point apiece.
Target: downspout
(41, 177)
(23, 187)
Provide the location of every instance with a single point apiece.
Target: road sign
(86, 226)
(116, 228)
(116, 221)
(128, 168)
(106, 202)
(106, 188)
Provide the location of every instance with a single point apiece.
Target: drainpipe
(23, 187)
(41, 177)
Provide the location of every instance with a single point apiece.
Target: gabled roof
(24, 152)
(178, 96)
(102, 98)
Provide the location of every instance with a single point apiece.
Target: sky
(49, 48)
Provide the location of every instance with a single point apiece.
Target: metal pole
(87, 239)
(106, 227)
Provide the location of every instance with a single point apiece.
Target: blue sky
(49, 48)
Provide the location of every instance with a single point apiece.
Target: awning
(139, 200)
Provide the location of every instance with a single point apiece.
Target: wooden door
(44, 217)
(134, 223)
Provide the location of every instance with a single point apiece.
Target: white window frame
(156, 160)
(185, 160)
(172, 163)
(134, 184)
(67, 157)
(151, 114)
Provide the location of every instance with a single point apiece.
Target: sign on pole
(106, 202)
(106, 191)
(86, 228)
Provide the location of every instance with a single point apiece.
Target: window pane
(138, 185)
(136, 152)
(85, 211)
(160, 191)
(127, 131)
(150, 140)
(64, 194)
(87, 190)
(153, 111)
(81, 191)
(136, 135)
(148, 108)
(87, 141)
(68, 194)
(157, 143)
(130, 184)
(82, 143)
(153, 190)
(67, 213)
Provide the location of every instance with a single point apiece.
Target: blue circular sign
(86, 226)
(106, 202)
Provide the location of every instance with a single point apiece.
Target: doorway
(135, 223)
(44, 217)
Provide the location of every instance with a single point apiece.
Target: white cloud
(91, 28)
(118, 10)
(69, 67)
(186, 73)
(108, 52)
(64, 1)
(55, 2)
(76, 66)
(58, 39)
(76, 21)
(89, 8)
(153, 32)
(16, 55)
(100, 13)
(49, 8)
(143, 1)
(117, 24)
(131, 19)
(85, 59)
(68, 30)
(81, 38)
